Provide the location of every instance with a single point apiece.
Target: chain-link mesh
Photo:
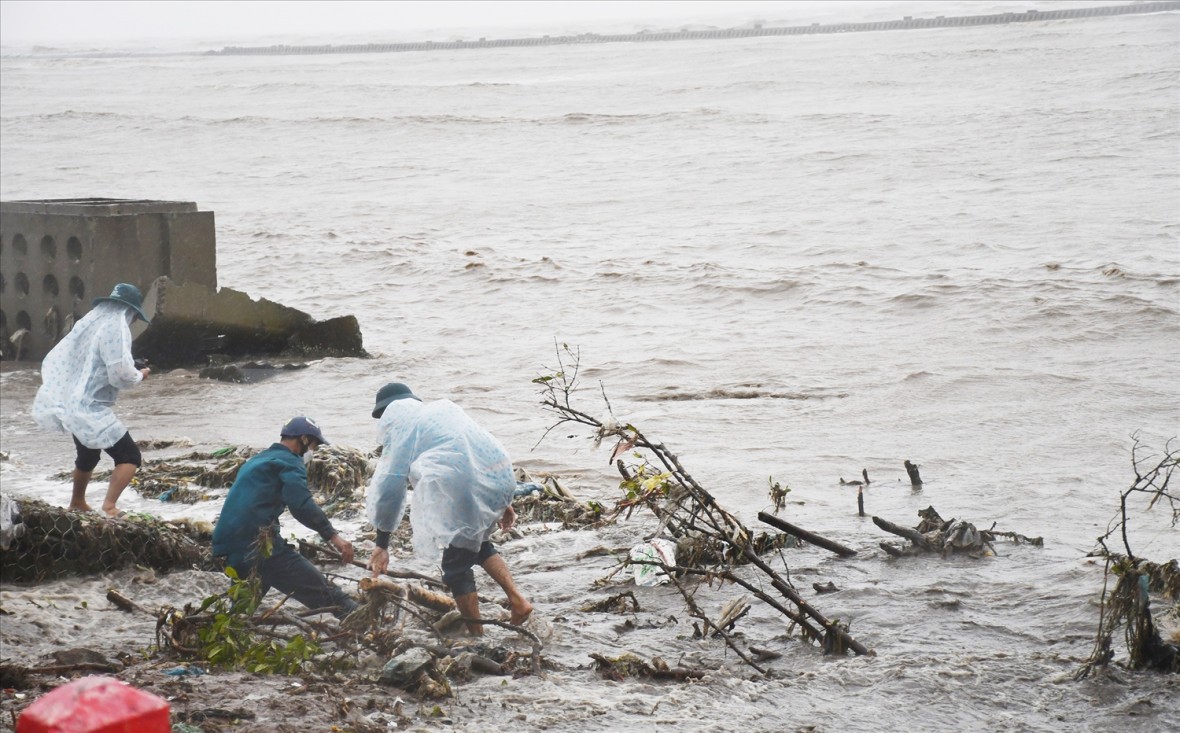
(58, 543)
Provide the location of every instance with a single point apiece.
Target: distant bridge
(906, 23)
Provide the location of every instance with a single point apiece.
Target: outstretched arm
(298, 499)
(386, 505)
(115, 349)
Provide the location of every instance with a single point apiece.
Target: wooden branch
(793, 596)
(271, 618)
(124, 603)
(535, 657)
(809, 631)
(806, 536)
(421, 596)
(695, 610)
(912, 535)
(400, 574)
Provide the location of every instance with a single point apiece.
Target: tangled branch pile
(1127, 607)
(549, 501)
(717, 543)
(948, 536)
(337, 476)
(392, 637)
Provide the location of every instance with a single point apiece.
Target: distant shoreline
(906, 23)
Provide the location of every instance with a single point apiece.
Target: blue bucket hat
(297, 426)
(129, 295)
(389, 393)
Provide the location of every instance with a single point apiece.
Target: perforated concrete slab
(58, 255)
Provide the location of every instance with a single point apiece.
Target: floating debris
(937, 535)
(337, 477)
(552, 502)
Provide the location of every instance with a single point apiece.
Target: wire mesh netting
(56, 543)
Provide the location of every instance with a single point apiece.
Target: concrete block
(191, 321)
(56, 256)
(333, 337)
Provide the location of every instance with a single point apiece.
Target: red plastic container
(96, 705)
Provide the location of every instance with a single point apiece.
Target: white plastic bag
(652, 551)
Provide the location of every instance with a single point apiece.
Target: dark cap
(297, 426)
(389, 393)
(127, 294)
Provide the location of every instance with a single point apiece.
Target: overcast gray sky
(92, 21)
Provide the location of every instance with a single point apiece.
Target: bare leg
(468, 605)
(499, 572)
(120, 477)
(78, 498)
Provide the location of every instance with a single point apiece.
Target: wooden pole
(912, 470)
(860, 500)
(806, 536)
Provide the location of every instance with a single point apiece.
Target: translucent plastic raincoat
(82, 376)
(462, 476)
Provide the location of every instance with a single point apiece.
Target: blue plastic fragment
(191, 669)
(526, 488)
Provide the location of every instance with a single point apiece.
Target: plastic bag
(652, 551)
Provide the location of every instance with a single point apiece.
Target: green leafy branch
(224, 631)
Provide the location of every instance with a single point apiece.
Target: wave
(74, 115)
(731, 393)
(917, 376)
(599, 118)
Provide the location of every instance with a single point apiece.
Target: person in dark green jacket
(247, 534)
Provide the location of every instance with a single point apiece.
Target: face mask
(307, 458)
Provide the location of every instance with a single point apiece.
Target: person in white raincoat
(463, 487)
(80, 379)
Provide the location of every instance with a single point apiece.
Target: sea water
(787, 259)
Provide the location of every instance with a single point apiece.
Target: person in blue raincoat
(247, 534)
(80, 379)
(463, 488)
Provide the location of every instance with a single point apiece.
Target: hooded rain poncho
(82, 375)
(461, 475)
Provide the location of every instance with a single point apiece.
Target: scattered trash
(406, 667)
(647, 559)
(191, 669)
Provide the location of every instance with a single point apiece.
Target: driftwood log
(946, 536)
(912, 470)
(806, 536)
